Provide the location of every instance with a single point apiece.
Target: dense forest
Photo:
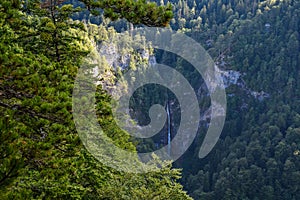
(255, 44)
(257, 156)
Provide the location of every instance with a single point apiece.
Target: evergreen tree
(41, 154)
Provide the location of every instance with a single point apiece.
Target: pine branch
(23, 110)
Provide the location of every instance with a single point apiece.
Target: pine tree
(41, 155)
(136, 12)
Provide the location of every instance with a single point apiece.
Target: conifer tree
(41, 155)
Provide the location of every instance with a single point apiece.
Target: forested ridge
(43, 44)
(257, 156)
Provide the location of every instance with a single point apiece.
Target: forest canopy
(43, 44)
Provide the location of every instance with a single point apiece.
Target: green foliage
(41, 155)
(136, 12)
(255, 157)
(11, 160)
